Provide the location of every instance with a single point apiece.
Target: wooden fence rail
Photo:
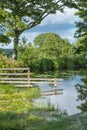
(17, 76)
(20, 77)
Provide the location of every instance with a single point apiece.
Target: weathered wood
(31, 79)
(22, 78)
(14, 68)
(50, 94)
(13, 74)
(23, 85)
(19, 79)
(42, 82)
(17, 76)
(28, 76)
(46, 79)
(14, 82)
(52, 90)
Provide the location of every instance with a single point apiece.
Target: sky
(62, 24)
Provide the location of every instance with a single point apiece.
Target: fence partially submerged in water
(20, 77)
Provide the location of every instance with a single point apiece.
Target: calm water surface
(68, 100)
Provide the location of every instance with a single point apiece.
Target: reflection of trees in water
(82, 94)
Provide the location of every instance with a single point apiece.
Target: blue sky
(62, 24)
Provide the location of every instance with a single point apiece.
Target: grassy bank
(18, 112)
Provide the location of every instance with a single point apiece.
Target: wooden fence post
(28, 77)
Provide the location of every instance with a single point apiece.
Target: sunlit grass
(16, 99)
(17, 112)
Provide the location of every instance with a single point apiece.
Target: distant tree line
(50, 52)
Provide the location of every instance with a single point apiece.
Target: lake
(68, 100)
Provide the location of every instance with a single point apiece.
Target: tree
(53, 47)
(82, 13)
(81, 45)
(3, 38)
(49, 44)
(82, 94)
(28, 55)
(22, 15)
(81, 32)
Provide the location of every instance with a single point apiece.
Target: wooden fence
(20, 77)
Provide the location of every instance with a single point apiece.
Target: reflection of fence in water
(51, 81)
(20, 77)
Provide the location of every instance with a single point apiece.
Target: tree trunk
(15, 50)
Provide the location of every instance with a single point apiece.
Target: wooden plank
(23, 79)
(46, 79)
(32, 79)
(42, 82)
(53, 90)
(13, 74)
(24, 85)
(39, 79)
(49, 94)
(14, 82)
(14, 68)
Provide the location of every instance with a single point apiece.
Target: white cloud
(30, 35)
(69, 34)
(66, 17)
(58, 18)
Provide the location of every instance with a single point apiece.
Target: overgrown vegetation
(18, 112)
(8, 63)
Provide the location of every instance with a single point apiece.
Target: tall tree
(3, 38)
(50, 44)
(81, 33)
(82, 94)
(52, 47)
(25, 14)
(82, 25)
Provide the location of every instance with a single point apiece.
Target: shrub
(8, 63)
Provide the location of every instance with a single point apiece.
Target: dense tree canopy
(82, 13)
(81, 33)
(18, 16)
(3, 38)
(46, 52)
(82, 94)
(52, 45)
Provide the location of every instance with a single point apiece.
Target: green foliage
(19, 16)
(4, 39)
(82, 94)
(7, 89)
(28, 56)
(66, 62)
(14, 104)
(8, 63)
(82, 11)
(18, 111)
(81, 32)
(47, 53)
(81, 46)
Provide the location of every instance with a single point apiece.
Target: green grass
(17, 112)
